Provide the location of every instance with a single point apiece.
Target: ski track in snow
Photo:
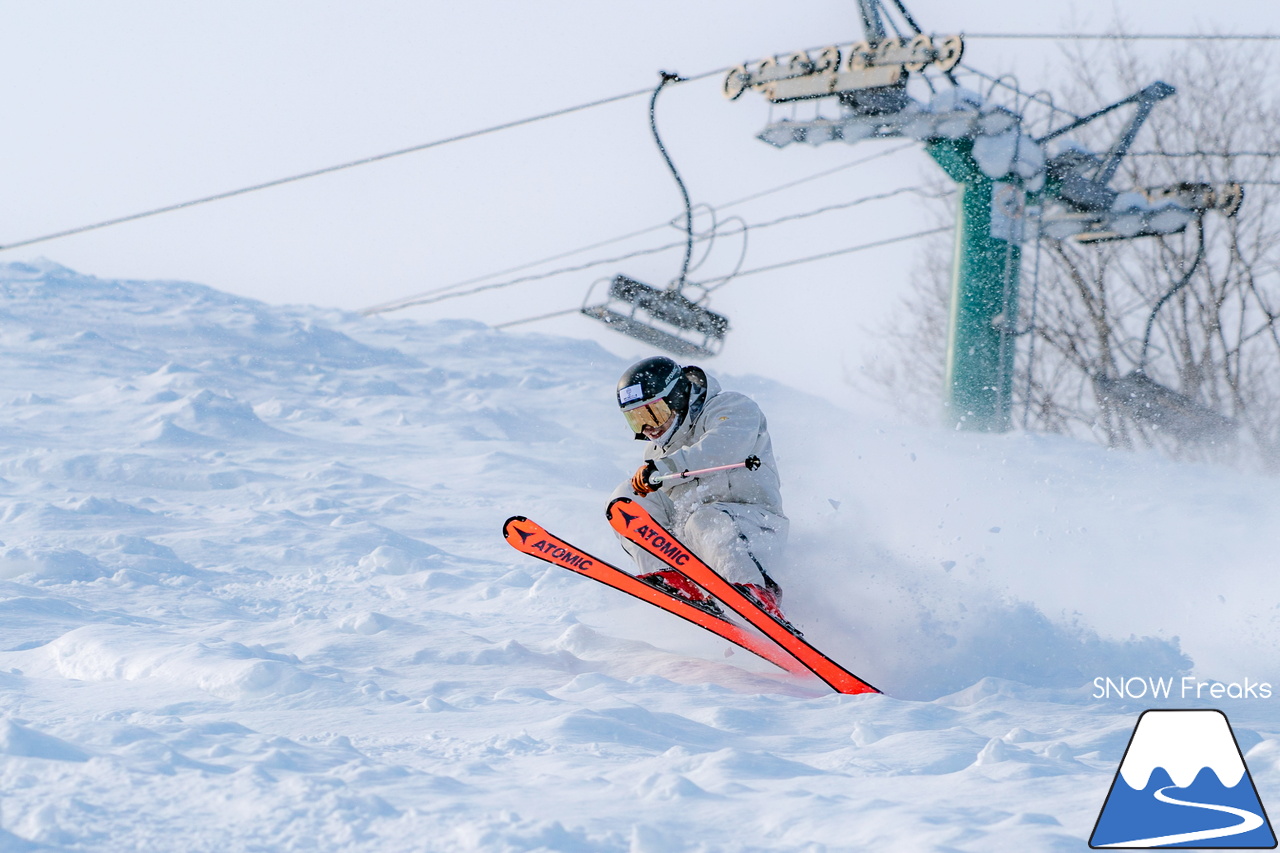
(255, 596)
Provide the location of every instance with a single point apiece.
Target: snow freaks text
(1186, 687)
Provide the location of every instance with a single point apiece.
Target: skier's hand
(640, 483)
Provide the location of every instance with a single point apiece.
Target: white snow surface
(255, 597)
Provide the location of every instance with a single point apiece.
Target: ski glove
(641, 483)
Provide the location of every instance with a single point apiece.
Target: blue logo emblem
(1183, 783)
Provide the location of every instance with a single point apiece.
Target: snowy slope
(256, 597)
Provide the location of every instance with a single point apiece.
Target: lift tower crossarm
(1146, 101)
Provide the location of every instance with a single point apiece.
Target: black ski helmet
(648, 384)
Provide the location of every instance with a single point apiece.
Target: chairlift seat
(1147, 401)
(663, 318)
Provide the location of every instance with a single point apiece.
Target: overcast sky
(119, 107)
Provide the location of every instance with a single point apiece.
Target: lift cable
(1031, 96)
(574, 310)
(815, 176)
(553, 114)
(417, 298)
(1125, 37)
(873, 245)
(1203, 154)
(363, 161)
(652, 250)
(771, 267)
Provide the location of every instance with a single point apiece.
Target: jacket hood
(709, 384)
(702, 388)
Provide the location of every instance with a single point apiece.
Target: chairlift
(1149, 402)
(1094, 213)
(662, 317)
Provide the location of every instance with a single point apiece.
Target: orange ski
(530, 538)
(633, 521)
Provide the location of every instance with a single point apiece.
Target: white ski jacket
(720, 428)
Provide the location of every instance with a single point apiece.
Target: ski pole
(751, 463)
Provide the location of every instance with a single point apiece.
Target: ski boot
(673, 583)
(767, 599)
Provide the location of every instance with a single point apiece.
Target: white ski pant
(743, 542)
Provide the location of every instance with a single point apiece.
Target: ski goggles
(654, 413)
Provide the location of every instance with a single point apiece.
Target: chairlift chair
(1151, 403)
(666, 319)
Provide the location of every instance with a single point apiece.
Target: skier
(732, 519)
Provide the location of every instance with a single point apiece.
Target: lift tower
(1002, 172)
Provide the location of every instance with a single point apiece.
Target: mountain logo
(1183, 783)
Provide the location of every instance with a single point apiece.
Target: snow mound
(23, 742)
